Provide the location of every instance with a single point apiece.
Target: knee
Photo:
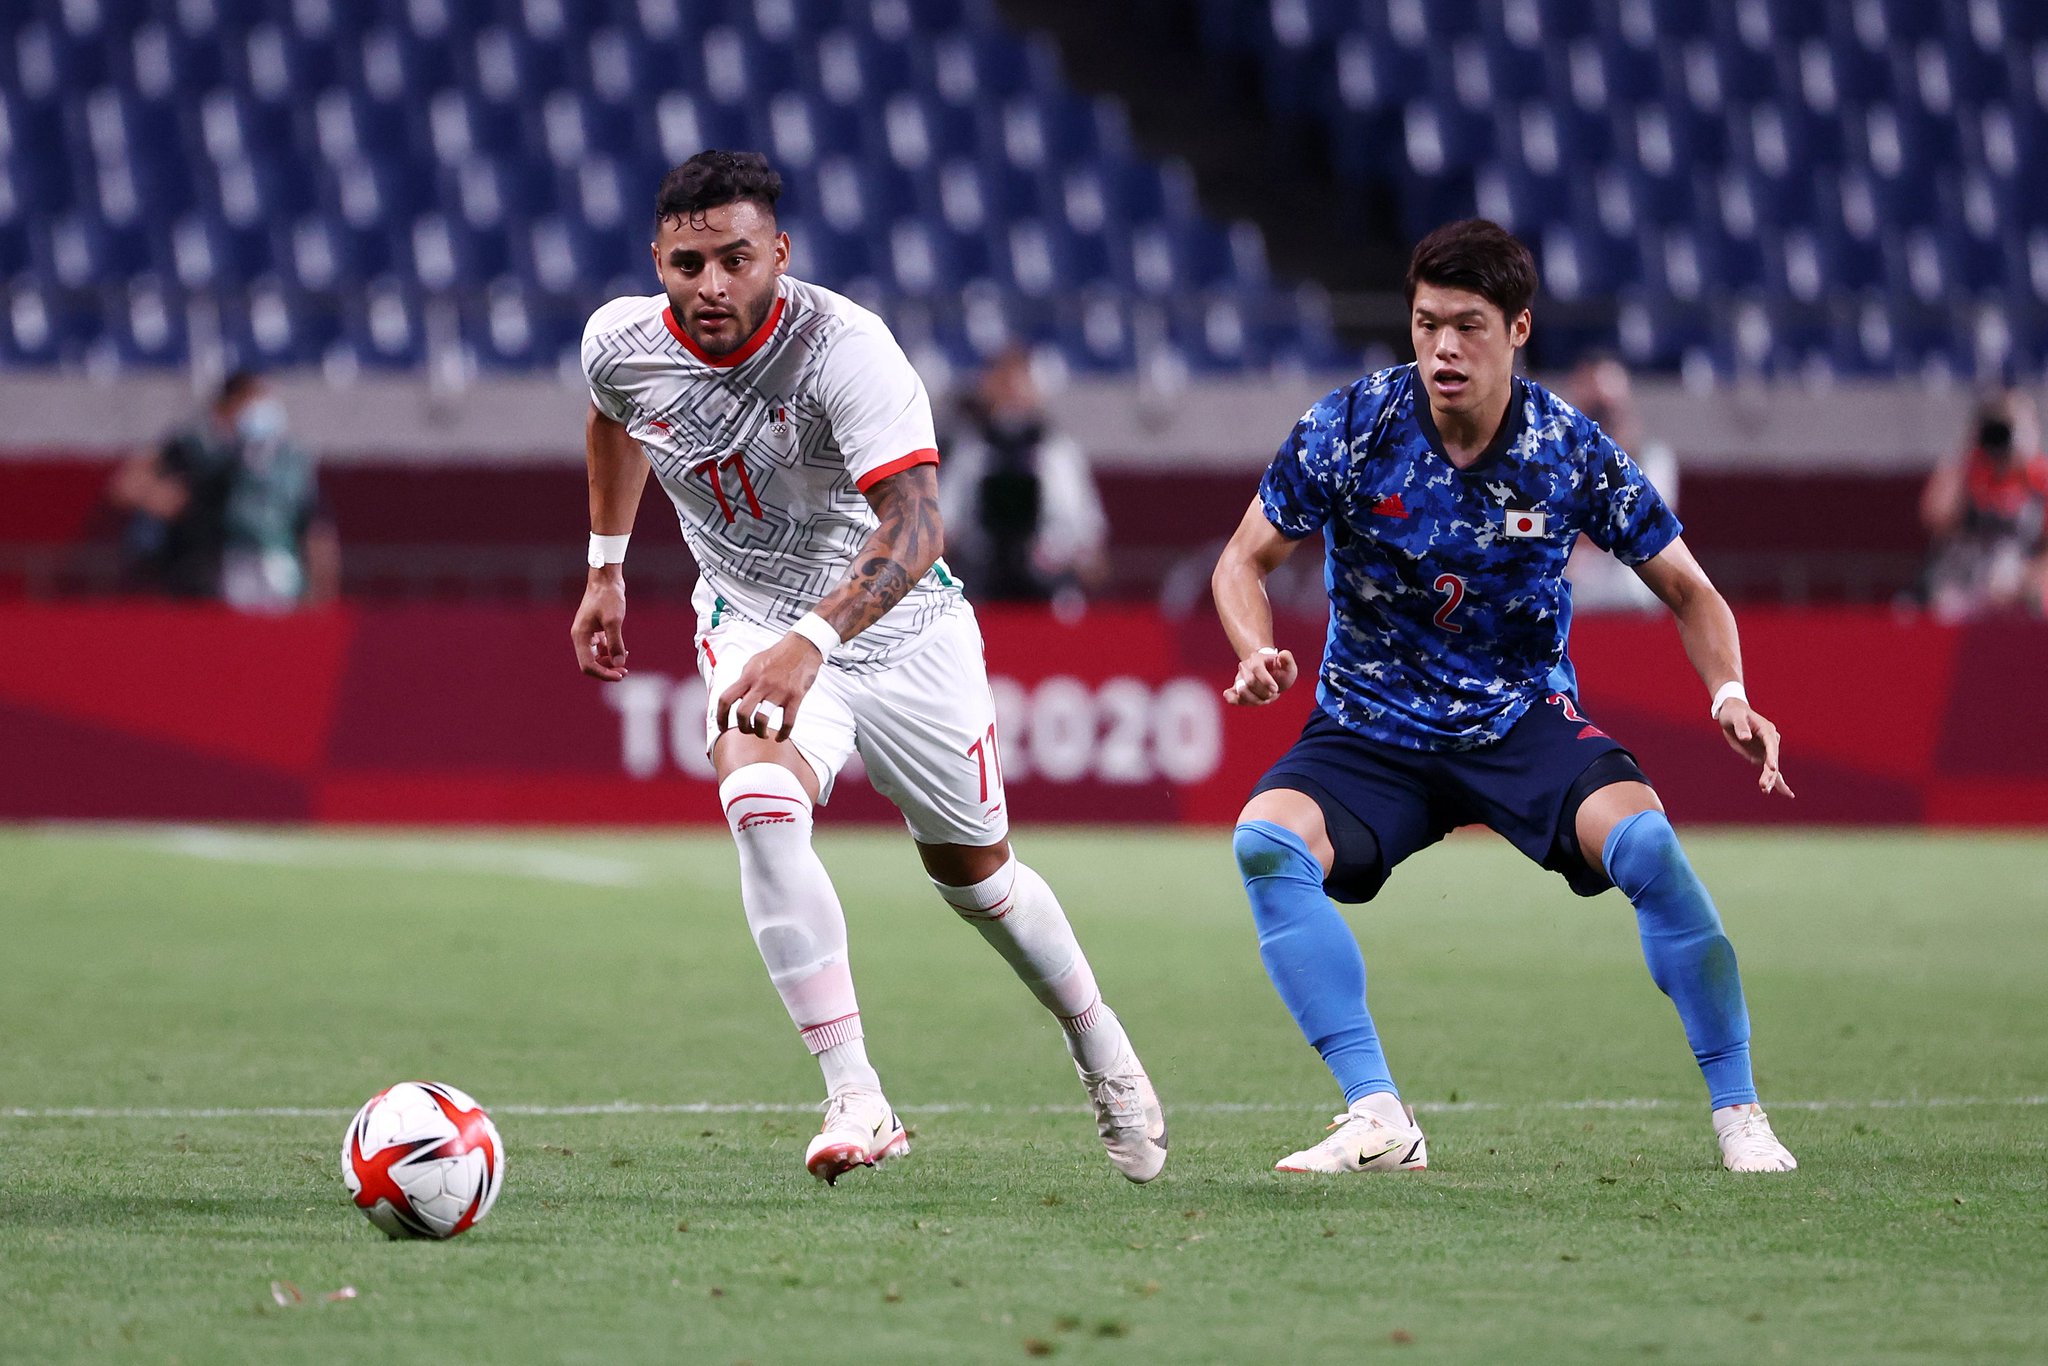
(1266, 850)
(1639, 849)
(1644, 859)
(759, 798)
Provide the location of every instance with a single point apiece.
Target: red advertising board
(462, 714)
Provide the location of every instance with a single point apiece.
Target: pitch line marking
(715, 1107)
(220, 845)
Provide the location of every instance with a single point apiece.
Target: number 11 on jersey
(987, 759)
(714, 469)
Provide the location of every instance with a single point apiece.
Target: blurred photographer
(1984, 512)
(229, 508)
(1024, 522)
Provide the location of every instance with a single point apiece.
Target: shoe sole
(1135, 1178)
(835, 1160)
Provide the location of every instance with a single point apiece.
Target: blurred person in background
(1023, 518)
(1984, 512)
(1599, 387)
(229, 507)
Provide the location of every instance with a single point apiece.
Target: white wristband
(1721, 696)
(606, 550)
(1267, 650)
(818, 631)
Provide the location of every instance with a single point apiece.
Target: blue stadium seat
(976, 66)
(1626, 74)
(278, 66)
(1560, 21)
(1094, 333)
(1658, 332)
(1440, 137)
(919, 131)
(853, 69)
(828, 256)
(738, 66)
(44, 328)
(1073, 259)
(1051, 131)
(1374, 77)
(1927, 340)
(1169, 258)
(1515, 197)
(1213, 333)
(1968, 230)
(685, 124)
(1134, 192)
(924, 258)
(784, 20)
(512, 328)
(385, 327)
(149, 326)
(273, 327)
(387, 63)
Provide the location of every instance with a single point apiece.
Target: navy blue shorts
(1527, 786)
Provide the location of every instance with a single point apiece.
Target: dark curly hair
(712, 178)
(1479, 255)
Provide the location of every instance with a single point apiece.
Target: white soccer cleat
(1747, 1143)
(1129, 1117)
(1363, 1139)
(859, 1130)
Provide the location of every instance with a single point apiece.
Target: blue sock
(1690, 957)
(1311, 955)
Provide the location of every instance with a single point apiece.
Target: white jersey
(766, 451)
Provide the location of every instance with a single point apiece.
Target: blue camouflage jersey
(1448, 603)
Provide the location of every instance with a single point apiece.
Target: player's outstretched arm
(1238, 585)
(895, 556)
(617, 470)
(1707, 627)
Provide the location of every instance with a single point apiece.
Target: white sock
(1018, 914)
(1383, 1104)
(796, 919)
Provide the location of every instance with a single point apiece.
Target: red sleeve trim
(927, 456)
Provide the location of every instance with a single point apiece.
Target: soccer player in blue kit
(1448, 494)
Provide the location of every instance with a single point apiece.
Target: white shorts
(925, 726)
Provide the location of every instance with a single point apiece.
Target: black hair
(238, 384)
(1478, 255)
(712, 178)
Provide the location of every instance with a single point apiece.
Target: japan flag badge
(1525, 524)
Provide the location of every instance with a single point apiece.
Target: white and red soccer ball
(423, 1160)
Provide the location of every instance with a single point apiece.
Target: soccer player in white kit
(796, 442)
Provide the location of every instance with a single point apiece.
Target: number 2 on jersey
(714, 469)
(1454, 589)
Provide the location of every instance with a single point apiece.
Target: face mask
(261, 420)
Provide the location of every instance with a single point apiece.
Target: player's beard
(747, 318)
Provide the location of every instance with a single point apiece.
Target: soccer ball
(422, 1160)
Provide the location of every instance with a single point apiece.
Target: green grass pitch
(187, 1017)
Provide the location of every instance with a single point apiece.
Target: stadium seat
(273, 327)
(149, 327)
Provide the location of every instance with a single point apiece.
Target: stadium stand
(384, 185)
(1767, 188)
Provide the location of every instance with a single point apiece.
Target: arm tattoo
(895, 556)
